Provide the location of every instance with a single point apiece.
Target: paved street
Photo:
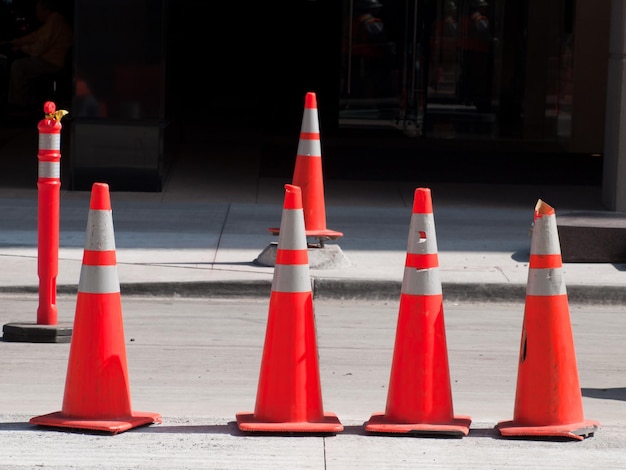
(196, 362)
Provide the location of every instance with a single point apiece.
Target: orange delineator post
(289, 395)
(308, 175)
(97, 390)
(419, 398)
(548, 400)
(48, 213)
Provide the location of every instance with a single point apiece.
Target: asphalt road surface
(196, 363)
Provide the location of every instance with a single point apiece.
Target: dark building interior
(158, 71)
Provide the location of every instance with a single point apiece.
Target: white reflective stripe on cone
(291, 278)
(100, 236)
(309, 147)
(294, 239)
(421, 281)
(49, 169)
(545, 281)
(49, 141)
(418, 245)
(310, 121)
(545, 237)
(98, 279)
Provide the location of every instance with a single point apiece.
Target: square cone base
(379, 423)
(328, 425)
(124, 423)
(31, 332)
(577, 431)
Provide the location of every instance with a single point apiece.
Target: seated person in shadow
(37, 54)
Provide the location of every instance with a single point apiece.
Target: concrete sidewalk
(206, 245)
(201, 235)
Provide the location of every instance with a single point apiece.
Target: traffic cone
(419, 398)
(308, 174)
(548, 400)
(97, 391)
(289, 397)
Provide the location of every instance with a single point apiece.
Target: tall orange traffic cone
(419, 399)
(289, 397)
(308, 174)
(97, 391)
(548, 399)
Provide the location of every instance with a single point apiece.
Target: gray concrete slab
(196, 362)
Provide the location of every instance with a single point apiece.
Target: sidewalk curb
(344, 289)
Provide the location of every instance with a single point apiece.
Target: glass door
(382, 73)
(425, 67)
(462, 50)
(459, 69)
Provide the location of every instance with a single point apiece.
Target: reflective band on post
(294, 239)
(291, 278)
(421, 282)
(49, 169)
(49, 141)
(98, 280)
(545, 282)
(546, 240)
(100, 240)
(422, 224)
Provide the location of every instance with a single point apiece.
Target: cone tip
(422, 201)
(310, 100)
(293, 197)
(100, 199)
(542, 208)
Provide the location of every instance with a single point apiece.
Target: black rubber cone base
(35, 333)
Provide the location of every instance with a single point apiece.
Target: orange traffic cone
(289, 397)
(97, 392)
(419, 399)
(308, 174)
(548, 399)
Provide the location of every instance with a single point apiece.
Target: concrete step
(592, 237)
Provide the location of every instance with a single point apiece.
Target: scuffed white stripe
(49, 169)
(421, 281)
(100, 236)
(49, 141)
(292, 235)
(98, 279)
(545, 281)
(291, 278)
(545, 236)
(418, 245)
